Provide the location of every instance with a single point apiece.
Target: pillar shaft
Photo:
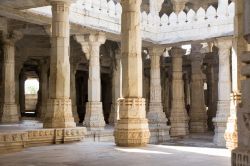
(9, 109)
(224, 90)
(155, 6)
(132, 128)
(116, 88)
(159, 130)
(59, 113)
(179, 118)
(198, 114)
(73, 93)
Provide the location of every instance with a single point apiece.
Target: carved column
(179, 118)
(198, 114)
(59, 113)
(22, 92)
(116, 88)
(159, 131)
(94, 119)
(9, 112)
(224, 90)
(241, 155)
(132, 128)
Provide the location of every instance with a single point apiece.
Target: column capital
(224, 43)
(196, 52)
(131, 5)
(12, 37)
(177, 52)
(156, 51)
(88, 40)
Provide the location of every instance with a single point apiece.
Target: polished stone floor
(107, 154)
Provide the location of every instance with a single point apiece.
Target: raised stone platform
(18, 140)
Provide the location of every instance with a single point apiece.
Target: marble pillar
(179, 118)
(21, 87)
(116, 88)
(198, 113)
(224, 91)
(241, 155)
(132, 128)
(159, 131)
(222, 8)
(59, 113)
(9, 112)
(94, 118)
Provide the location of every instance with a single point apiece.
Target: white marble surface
(99, 154)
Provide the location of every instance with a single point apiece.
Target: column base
(159, 131)
(59, 114)
(220, 123)
(94, 119)
(9, 113)
(179, 125)
(240, 157)
(75, 114)
(198, 127)
(132, 128)
(219, 132)
(113, 117)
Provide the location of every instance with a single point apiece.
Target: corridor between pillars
(132, 128)
(159, 131)
(198, 114)
(224, 91)
(179, 117)
(59, 113)
(9, 112)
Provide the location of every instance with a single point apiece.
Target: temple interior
(124, 82)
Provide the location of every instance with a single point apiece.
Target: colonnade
(133, 126)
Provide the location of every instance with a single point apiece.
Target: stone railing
(105, 16)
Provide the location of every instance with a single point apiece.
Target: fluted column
(59, 113)
(9, 112)
(132, 128)
(116, 88)
(159, 131)
(178, 118)
(224, 90)
(198, 113)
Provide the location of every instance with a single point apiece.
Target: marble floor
(107, 154)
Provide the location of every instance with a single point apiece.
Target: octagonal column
(198, 113)
(132, 128)
(224, 91)
(179, 117)
(159, 131)
(9, 112)
(59, 113)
